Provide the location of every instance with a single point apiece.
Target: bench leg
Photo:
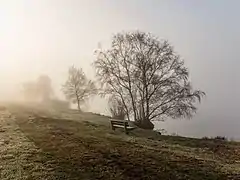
(125, 128)
(126, 131)
(113, 128)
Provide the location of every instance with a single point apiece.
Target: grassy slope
(86, 148)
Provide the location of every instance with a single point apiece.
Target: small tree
(148, 77)
(78, 88)
(117, 108)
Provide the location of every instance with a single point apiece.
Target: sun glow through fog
(47, 36)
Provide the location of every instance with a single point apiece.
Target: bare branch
(78, 88)
(148, 76)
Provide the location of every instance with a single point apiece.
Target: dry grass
(78, 149)
(19, 157)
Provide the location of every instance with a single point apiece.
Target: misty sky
(47, 36)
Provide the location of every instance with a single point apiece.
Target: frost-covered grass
(44, 145)
(19, 157)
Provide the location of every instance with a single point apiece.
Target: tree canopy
(78, 88)
(148, 77)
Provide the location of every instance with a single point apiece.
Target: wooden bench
(115, 123)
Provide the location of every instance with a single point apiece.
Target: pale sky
(48, 36)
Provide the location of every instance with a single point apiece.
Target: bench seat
(120, 126)
(115, 123)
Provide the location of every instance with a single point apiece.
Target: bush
(117, 108)
(218, 138)
(205, 138)
(144, 124)
(221, 138)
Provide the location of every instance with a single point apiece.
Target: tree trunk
(78, 100)
(79, 108)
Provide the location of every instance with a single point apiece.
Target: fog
(47, 36)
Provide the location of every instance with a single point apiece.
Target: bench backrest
(119, 122)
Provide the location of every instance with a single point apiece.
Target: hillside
(36, 144)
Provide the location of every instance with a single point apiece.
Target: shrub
(221, 138)
(218, 138)
(205, 138)
(117, 108)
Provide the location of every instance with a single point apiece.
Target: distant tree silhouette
(41, 89)
(148, 77)
(30, 91)
(78, 88)
(44, 87)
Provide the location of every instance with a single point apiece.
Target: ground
(40, 144)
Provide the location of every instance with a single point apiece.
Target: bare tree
(148, 77)
(117, 108)
(78, 88)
